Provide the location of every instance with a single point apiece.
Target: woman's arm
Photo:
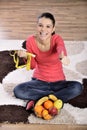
(62, 51)
(64, 59)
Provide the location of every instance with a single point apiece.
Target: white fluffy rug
(69, 114)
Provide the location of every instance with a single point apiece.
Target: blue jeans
(35, 89)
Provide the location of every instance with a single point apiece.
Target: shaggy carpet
(12, 110)
(18, 114)
(13, 114)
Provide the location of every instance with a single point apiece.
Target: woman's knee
(15, 91)
(78, 87)
(18, 91)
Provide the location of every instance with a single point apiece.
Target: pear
(58, 104)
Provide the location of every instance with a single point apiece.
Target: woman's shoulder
(56, 37)
(30, 42)
(30, 37)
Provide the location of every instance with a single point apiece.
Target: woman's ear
(53, 29)
(53, 32)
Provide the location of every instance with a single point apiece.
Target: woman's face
(45, 28)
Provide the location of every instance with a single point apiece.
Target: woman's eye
(48, 26)
(40, 25)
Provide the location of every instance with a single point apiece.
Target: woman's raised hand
(65, 60)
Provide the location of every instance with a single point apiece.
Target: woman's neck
(43, 42)
(43, 45)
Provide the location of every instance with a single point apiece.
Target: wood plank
(41, 127)
(18, 18)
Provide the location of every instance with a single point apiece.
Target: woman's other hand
(22, 53)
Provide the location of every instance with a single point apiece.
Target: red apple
(53, 111)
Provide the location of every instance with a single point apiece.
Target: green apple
(58, 104)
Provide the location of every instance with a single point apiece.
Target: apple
(53, 111)
(58, 104)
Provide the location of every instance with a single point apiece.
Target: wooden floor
(18, 17)
(42, 127)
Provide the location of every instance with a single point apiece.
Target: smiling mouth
(43, 34)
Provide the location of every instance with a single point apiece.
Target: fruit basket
(48, 107)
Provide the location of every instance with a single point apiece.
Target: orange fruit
(47, 117)
(38, 110)
(48, 104)
(44, 112)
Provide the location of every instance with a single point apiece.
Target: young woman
(50, 54)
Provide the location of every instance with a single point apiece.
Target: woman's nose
(43, 28)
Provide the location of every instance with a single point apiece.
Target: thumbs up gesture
(64, 59)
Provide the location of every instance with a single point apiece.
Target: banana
(41, 100)
(53, 97)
